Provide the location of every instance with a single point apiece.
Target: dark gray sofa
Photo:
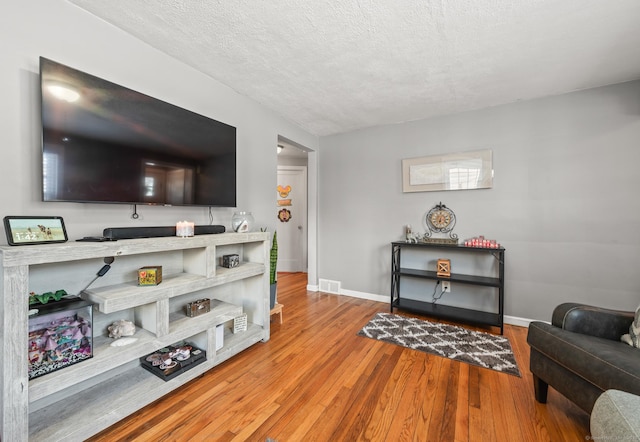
(580, 354)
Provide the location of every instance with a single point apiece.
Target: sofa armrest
(593, 321)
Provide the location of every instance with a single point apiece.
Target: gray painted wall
(564, 204)
(62, 32)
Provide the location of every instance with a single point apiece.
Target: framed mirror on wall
(455, 171)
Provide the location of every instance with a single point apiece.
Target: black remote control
(95, 239)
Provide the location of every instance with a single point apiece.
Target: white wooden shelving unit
(83, 399)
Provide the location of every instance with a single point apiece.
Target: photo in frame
(455, 171)
(25, 230)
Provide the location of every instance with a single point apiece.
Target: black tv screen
(105, 143)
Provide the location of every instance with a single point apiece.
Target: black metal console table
(398, 273)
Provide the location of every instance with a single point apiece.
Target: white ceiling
(337, 66)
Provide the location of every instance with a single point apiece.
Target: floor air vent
(329, 286)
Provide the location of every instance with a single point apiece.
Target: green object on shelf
(46, 297)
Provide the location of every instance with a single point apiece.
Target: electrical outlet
(446, 286)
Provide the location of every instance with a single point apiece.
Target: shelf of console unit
(129, 295)
(85, 398)
(106, 358)
(399, 272)
(122, 395)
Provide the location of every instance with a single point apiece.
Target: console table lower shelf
(448, 312)
(97, 408)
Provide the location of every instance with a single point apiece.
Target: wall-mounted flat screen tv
(105, 143)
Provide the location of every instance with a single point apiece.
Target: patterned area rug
(449, 341)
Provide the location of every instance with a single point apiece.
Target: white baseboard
(363, 295)
(511, 320)
(520, 322)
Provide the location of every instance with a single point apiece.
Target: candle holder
(242, 222)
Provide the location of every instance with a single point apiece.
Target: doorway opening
(296, 209)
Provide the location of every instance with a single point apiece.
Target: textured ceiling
(336, 66)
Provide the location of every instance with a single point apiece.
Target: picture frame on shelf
(240, 323)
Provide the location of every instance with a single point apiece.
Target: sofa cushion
(605, 363)
(633, 337)
(615, 417)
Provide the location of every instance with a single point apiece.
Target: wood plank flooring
(315, 380)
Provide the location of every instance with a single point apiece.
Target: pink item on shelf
(481, 242)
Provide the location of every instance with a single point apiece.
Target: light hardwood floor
(315, 380)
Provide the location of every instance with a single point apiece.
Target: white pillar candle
(181, 228)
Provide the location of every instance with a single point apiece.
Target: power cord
(105, 268)
(435, 298)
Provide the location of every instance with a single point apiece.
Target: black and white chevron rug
(449, 341)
